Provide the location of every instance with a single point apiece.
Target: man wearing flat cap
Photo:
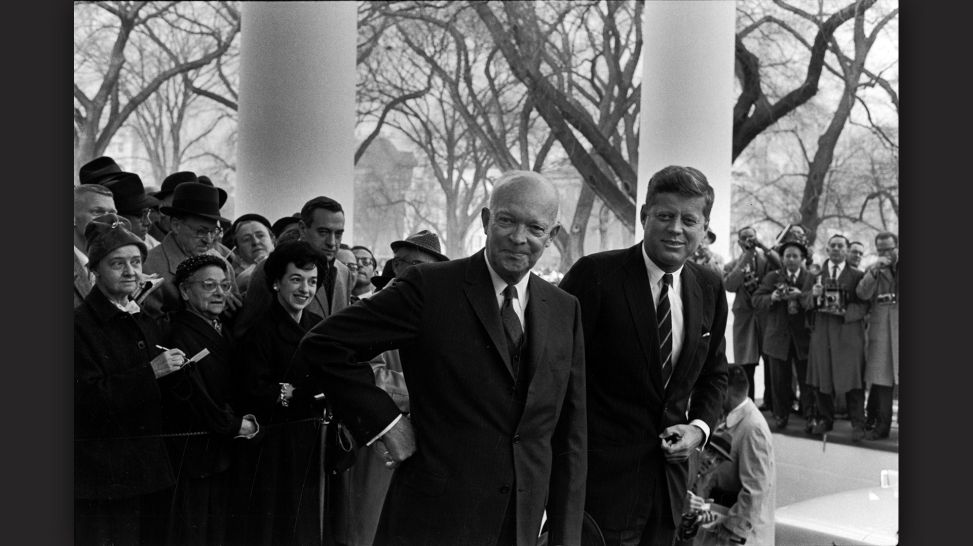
(194, 215)
(133, 204)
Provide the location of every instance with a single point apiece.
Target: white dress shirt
(676, 313)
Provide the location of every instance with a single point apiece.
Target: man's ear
(485, 217)
(643, 213)
(183, 292)
(552, 235)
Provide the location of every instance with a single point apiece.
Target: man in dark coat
(494, 359)
(641, 428)
(786, 335)
(836, 357)
(120, 462)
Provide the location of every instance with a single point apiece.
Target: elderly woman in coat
(281, 494)
(122, 472)
(197, 399)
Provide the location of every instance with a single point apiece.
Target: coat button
(141, 344)
(505, 489)
(516, 438)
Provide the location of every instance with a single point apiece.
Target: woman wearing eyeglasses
(197, 399)
(280, 488)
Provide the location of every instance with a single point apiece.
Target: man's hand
(399, 443)
(881, 263)
(678, 441)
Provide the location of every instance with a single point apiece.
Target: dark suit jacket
(627, 408)
(781, 327)
(478, 446)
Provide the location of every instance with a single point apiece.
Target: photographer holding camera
(786, 335)
(879, 286)
(742, 276)
(837, 353)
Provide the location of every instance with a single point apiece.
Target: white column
(297, 107)
(687, 99)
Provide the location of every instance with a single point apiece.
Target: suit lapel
(479, 292)
(692, 302)
(537, 317)
(641, 305)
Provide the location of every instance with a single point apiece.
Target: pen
(161, 347)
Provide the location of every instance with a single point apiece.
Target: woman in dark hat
(197, 400)
(280, 481)
(120, 464)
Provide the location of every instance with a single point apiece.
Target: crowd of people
(824, 331)
(244, 381)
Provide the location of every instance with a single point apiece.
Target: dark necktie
(512, 327)
(664, 314)
(834, 271)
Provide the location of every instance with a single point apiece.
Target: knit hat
(107, 233)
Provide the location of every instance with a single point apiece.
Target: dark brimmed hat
(129, 194)
(281, 224)
(194, 263)
(108, 232)
(205, 180)
(425, 241)
(388, 273)
(251, 217)
(794, 243)
(173, 181)
(99, 170)
(195, 200)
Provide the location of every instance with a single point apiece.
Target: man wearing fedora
(160, 228)
(322, 224)
(194, 215)
(494, 358)
(786, 335)
(361, 490)
(133, 204)
(90, 201)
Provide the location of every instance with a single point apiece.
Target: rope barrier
(263, 428)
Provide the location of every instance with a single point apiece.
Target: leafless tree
(117, 69)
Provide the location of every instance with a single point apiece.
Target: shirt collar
(656, 272)
(736, 414)
(499, 284)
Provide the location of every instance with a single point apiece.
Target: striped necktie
(664, 314)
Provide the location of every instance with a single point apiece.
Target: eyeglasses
(353, 267)
(364, 261)
(209, 285)
(203, 233)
